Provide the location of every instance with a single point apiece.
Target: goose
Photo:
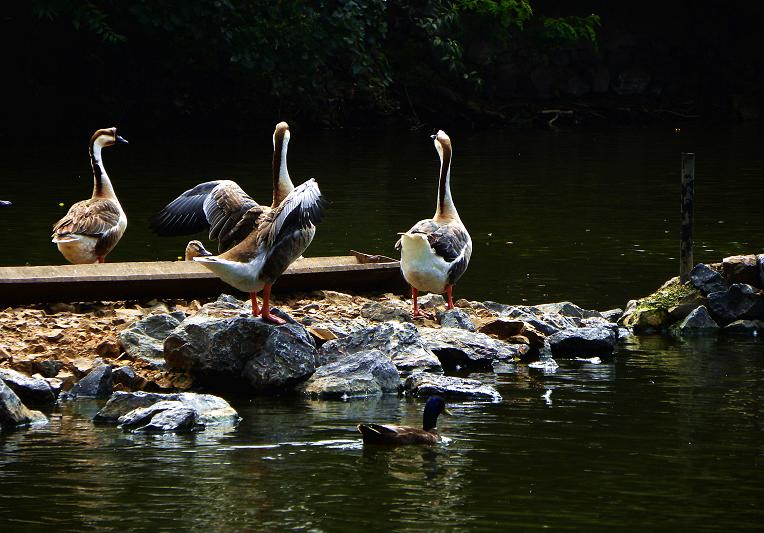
(92, 228)
(222, 206)
(5, 203)
(428, 434)
(280, 238)
(195, 249)
(435, 252)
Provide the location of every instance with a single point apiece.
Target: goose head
(196, 249)
(442, 142)
(106, 137)
(434, 407)
(281, 135)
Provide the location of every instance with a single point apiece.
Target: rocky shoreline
(157, 360)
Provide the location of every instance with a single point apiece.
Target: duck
(222, 206)
(436, 251)
(389, 434)
(92, 228)
(280, 237)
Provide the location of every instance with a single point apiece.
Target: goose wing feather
(95, 217)
(301, 209)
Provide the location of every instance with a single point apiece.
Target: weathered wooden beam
(687, 216)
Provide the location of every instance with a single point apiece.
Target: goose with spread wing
(281, 237)
(435, 252)
(222, 206)
(92, 228)
(427, 434)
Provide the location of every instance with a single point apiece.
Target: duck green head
(432, 409)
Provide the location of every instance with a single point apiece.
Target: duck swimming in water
(92, 228)
(389, 434)
(435, 252)
(223, 207)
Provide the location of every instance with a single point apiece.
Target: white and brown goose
(280, 238)
(435, 252)
(92, 228)
(222, 206)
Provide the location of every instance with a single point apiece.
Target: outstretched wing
(301, 209)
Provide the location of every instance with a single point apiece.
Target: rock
(644, 319)
(108, 348)
(503, 328)
(652, 312)
(209, 410)
(337, 326)
(706, 279)
(495, 307)
(567, 309)
(431, 301)
(384, 312)
(742, 269)
(740, 301)
(222, 345)
(166, 415)
(97, 383)
(366, 373)
(15, 414)
(581, 342)
(456, 318)
(126, 376)
(423, 384)
(748, 327)
(30, 390)
(144, 340)
(457, 347)
(686, 305)
(612, 315)
(546, 323)
(698, 321)
(401, 342)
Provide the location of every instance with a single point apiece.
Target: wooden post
(688, 208)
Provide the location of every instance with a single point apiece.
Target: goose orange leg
(267, 316)
(101, 259)
(450, 302)
(255, 307)
(417, 313)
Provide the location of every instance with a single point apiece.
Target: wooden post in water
(688, 216)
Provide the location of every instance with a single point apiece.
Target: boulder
(97, 383)
(706, 279)
(567, 309)
(15, 414)
(30, 390)
(127, 377)
(748, 327)
(330, 328)
(225, 346)
(642, 319)
(740, 301)
(431, 301)
(465, 349)
(742, 269)
(503, 328)
(385, 311)
(686, 305)
(697, 321)
(456, 318)
(360, 374)
(612, 315)
(423, 384)
(581, 342)
(546, 323)
(401, 342)
(209, 410)
(144, 340)
(166, 415)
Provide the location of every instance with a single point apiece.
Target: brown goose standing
(92, 228)
(435, 252)
(222, 206)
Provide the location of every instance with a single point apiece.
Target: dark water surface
(668, 435)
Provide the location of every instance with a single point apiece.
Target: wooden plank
(182, 279)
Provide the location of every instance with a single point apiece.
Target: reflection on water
(665, 435)
(589, 216)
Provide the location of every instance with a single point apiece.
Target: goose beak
(433, 136)
(121, 140)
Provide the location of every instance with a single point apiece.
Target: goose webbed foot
(273, 319)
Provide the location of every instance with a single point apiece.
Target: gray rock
(15, 414)
(456, 318)
(740, 301)
(567, 309)
(360, 374)
(496, 308)
(747, 327)
(126, 376)
(581, 342)
(32, 391)
(457, 347)
(401, 342)
(209, 410)
(385, 311)
(222, 345)
(431, 301)
(698, 321)
(423, 384)
(612, 315)
(97, 383)
(548, 324)
(706, 279)
(339, 326)
(742, 269)
(686, 305)
(167, 415)
(144, 340)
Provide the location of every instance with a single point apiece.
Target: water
(592, 216)
(666, 435)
